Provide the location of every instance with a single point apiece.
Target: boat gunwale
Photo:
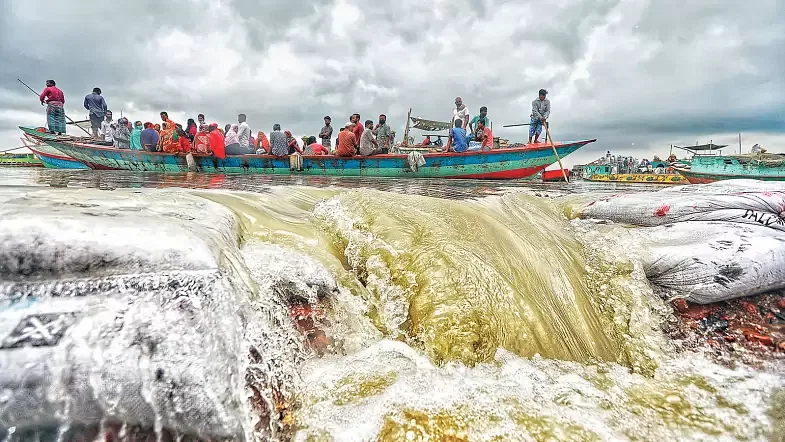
(50, 155)
(525, 148)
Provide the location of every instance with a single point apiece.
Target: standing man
(541, 110)
(243, 132)
(326, 133)
(383, 135)
(96, 105)
(200, 119)
(358, 128)
(484, 116)
(106, 127)
(461, 113)
(55, 115)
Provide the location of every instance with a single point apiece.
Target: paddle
(548, 136)
(516, 125)
(66, 116)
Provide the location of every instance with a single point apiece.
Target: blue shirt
(95, 104)
(459, 142)
(149, 136)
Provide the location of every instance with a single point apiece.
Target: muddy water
(456, 310)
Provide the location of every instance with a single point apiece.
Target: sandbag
(707, 262)
(659, 208)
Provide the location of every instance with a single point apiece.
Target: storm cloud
(638, 75)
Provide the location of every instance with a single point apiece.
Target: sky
(637, 75)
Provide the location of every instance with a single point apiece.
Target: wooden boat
(708, 169)
(512, 163)
(552, 176)
(19, 160)
(604, 172)
(51, 157)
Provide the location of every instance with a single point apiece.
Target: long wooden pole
(406, 132)
(553, 146)
(66, 116)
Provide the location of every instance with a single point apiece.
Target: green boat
(19, 160)
(708, 168)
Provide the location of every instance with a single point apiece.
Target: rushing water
(454, 310)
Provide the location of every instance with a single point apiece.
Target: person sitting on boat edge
(484, 137)
(170, 141)
(182, 138)
(191, 129)
(291, 143)
(216, 141)
(368, 145)
(232, 141)
(149, 138)
(541, 110)
(96, 106)
(278, 144)
(54, 99)
(136, 136)
(347, 142)
(470, 134)
(314, 148)
(457, 141)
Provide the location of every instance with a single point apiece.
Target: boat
(708, 167)
(19, 160)
(629, 170)
(510, 163)
(551, 176)
(51, 157)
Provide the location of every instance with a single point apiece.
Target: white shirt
(243, 134)
(460, 115)
(106, 130)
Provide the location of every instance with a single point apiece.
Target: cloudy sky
(638, 75)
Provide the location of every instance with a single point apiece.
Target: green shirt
(474, 121)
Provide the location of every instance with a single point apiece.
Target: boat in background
(708, 166)
(554, 176)
(619, 169)
(19, 160)
(511, 163)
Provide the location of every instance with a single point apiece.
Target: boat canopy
(429, 125)
(702, 147)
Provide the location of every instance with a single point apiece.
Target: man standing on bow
(96, 104)
(54, 99)
(326, 134)
(541, 110)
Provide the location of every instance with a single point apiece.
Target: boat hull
(498, 164)
(706, 178)
(52, 160)
(640, 178)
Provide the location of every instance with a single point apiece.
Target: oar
(66, 116)
(516, 125)
(13, 148)
(548, 135)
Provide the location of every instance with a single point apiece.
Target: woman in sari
(136, 136)
(190, 129)
(157, 128)
(170, 142)
(184, 141)
(262, 143)
(202, 140)
(291, 142)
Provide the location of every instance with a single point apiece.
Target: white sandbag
(707, 262)
(660, 208)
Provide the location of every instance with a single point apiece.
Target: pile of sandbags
(707, 243)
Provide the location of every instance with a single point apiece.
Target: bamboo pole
(406, 132)
(558, 158)
(66, 116)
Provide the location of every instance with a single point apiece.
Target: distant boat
(511, 163)
(19, 160)
(710, 167)
(655, 172)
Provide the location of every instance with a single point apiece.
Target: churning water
(252, 308)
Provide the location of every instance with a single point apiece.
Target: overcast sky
(638, 75)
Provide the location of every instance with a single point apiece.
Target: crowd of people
(354, 138)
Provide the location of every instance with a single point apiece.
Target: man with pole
(541, 110)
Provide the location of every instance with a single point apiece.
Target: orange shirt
(347, 143)
(487, 138)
